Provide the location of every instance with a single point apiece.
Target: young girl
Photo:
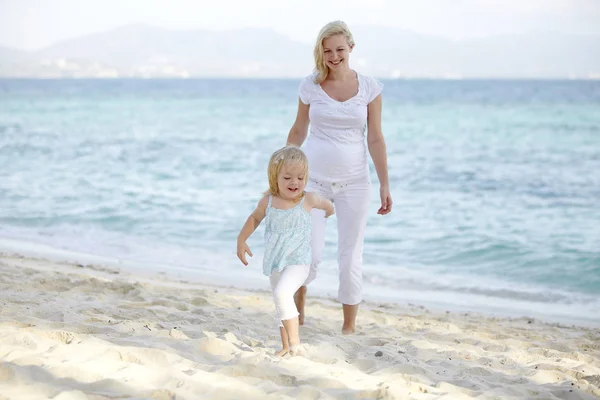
(286, 209)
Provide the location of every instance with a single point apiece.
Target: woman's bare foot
(282, 352)
(350, 312)
(348, 330)
(299, 299)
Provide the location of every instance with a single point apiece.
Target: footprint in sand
(129, 358)
(374, 342)
(217, 347)
(6, 373)
(160, 394)
(265, 373)
(199, 301)
(366, 365)
(64, 337)
(177, 334)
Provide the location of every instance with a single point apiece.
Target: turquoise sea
(496, 184)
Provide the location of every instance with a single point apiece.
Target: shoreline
(72, 330)
(252, 280)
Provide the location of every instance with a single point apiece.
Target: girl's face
(336, 51)
(291, 181)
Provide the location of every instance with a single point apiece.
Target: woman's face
(336, 51)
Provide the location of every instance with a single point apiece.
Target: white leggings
(284, 284)
(351, 201)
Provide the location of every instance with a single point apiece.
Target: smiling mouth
(335, 62)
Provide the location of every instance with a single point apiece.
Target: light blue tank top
(287, 237)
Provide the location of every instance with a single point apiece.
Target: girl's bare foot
(282, 352)
(295, 350)
(299, 298)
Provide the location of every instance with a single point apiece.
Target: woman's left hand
(386, 201)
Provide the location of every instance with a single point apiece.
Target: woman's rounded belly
(333, 161)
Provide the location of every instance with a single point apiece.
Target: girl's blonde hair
(286, 155)
(331, 29)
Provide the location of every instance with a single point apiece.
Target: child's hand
(242, 249)
(329, 210)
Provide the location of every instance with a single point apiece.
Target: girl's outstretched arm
(316, 201)
(249, 227)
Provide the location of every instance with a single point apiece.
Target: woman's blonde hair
(331, 29)
(286, 155)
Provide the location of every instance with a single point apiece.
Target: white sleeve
(374, 89)
(305, 90)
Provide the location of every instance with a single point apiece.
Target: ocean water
(496, 184)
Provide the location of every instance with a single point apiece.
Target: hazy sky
(32, 24)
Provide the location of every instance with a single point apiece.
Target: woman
(339, 104)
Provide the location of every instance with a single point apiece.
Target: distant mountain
(143, 50)
(13, 60)
(535, 55)
(11, 54)
(146, 51)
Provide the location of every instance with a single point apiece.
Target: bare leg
(350, 312)
(299, 299)
(285, 347)
(291, 326)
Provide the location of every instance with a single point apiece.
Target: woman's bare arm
(299, 130)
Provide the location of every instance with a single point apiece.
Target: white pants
(351, 201)
(284, 284)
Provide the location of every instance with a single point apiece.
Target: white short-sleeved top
(336, 147)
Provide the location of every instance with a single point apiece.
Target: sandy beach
(75, 331)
